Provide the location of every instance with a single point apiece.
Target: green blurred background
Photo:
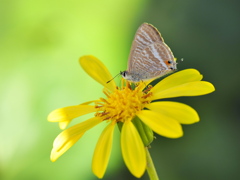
(40, 43)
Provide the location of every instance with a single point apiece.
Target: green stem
(152, 173)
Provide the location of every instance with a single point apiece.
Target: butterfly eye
(123, 73)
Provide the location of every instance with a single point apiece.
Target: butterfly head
(124, 74)
(131, 76)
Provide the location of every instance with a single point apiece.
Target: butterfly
(149, 57)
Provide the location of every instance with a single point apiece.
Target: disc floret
(124, 103)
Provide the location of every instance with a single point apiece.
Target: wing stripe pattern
(149, 56)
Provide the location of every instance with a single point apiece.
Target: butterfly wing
(152, 62)
(145, 35)
(149, 53)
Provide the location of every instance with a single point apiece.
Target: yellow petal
(89, 102)
(63, 124)
(66, 114)
(133, 150)
(83, 109)
(195, 88)
(98, 71)
(161, 124)
(178, 78)
(56, 153)
(183, 113)
(102, 151)
(70, 136)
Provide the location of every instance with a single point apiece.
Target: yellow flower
(121, 105)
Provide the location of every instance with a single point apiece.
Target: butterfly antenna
(113, 77)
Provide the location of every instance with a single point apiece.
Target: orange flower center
(123, 103)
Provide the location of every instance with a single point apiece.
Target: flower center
(123, 103)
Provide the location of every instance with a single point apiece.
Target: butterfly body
(150, 57)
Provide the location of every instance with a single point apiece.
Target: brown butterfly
(150, 57)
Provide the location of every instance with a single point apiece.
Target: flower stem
(152, 173)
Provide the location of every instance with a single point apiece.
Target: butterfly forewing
(145, 35)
